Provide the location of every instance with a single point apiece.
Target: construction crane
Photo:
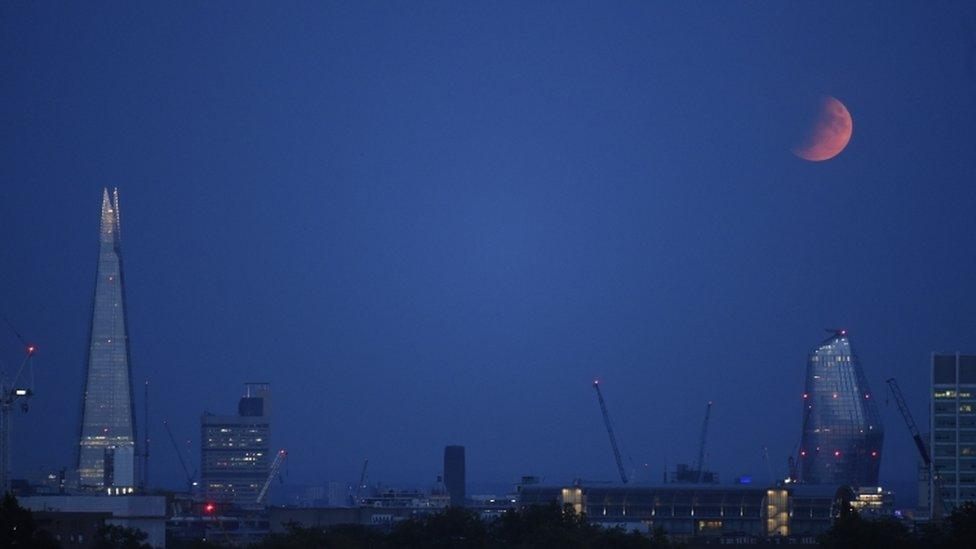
(176, 447)
(275, 467)
(362, 482)
(700, 465)
(613, 438)
(938, 505)
(769, 468)
(16, 390)
(791, 462)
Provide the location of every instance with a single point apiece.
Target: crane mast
(179, 454)
(275, 467)
(613, 438)
(700, 465)
(938, 505)
(362, 483)
(20, 389)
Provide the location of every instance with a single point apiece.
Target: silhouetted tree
(342, 536)
(112, 536)
(961, 526)
(455, 527)
(850, 530)
(533, 527)
(18, 529)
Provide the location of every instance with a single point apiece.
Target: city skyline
(437, 227)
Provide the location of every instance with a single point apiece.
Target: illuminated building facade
(687, 511)
(107, 450)
(953, 427)
(235, 449)
(842, 432)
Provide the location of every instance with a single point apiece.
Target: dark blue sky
(433, 224)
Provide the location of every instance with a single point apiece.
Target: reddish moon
(827, 136)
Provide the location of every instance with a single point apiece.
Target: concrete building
(107, 445)
(454, 474)
(235, 449)
(953, 426)
(146, 513)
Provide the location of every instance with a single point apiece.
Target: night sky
(436, 223)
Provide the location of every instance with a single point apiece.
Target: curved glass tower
(106, 453)
(842, 432)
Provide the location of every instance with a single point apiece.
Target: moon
(829, 133)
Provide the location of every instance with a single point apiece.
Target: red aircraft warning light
(209, 508)
(31, 349)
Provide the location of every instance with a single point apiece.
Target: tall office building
(235, 449)
(842, 432)
(953, 427)
(106, 451)
(454, 474)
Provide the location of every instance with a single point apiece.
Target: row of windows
(949, 422)
(952, 407)
(950, 393)
(946, 450)
(965, 465)
(949, 436)
(949, 479)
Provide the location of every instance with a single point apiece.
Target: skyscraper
(953, 426)
(106, 451)
(235, 457)
(454, 474)
(842, 432)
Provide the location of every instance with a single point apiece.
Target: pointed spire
(110, 214)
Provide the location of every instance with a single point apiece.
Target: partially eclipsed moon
(829, 134)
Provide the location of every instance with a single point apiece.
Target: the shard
(106, 452)
(842, 432)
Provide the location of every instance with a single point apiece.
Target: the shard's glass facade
(842, 432)
(106, 452)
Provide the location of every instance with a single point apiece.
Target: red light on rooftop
(836, 453)
(209, 508)
(843, 332)
(31, 350)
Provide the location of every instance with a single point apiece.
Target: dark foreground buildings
(842, 432)
(107, 445)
